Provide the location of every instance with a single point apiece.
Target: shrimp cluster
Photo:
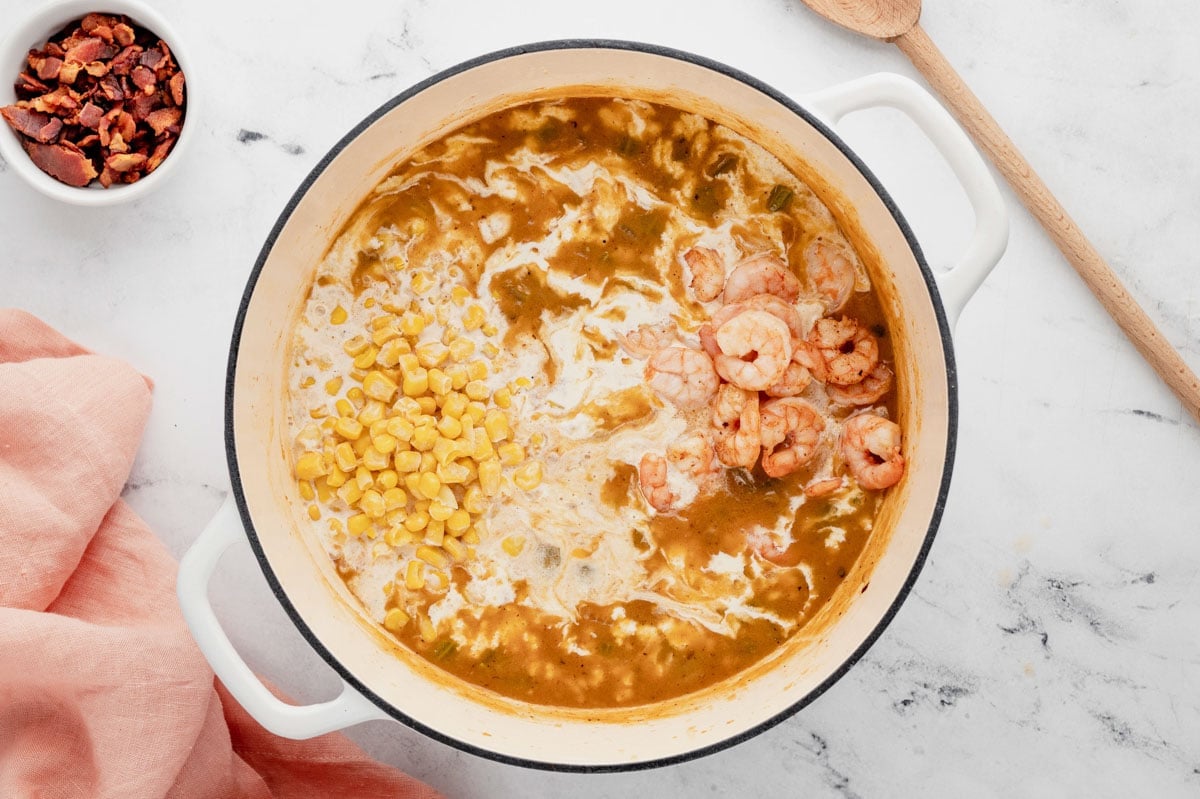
(765, 368)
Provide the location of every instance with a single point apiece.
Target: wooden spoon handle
(1097, 274)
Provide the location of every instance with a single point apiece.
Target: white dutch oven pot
(379, 681)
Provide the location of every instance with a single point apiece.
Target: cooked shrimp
(819, 488)
(736, 414)
(793, 382)
(708, 272)
(784, 311)
(871, 449)
(867, 391)
(763, 273)
(850, 352)
(831, 272)
(684, 376)
(708, 340)
(644, 340)
(756, 348)
(652, 478)
(791, 433)
(693, 454)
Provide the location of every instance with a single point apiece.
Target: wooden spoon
(896, 21)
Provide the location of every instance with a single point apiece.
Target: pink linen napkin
(102, 691)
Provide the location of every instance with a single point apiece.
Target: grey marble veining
(1051, 647)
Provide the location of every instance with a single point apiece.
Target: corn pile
(415, 442)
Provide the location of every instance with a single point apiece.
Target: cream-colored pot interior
(303, 576)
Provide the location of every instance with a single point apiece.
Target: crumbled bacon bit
(61, 162)
(103, 101)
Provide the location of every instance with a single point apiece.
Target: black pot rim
(943, 329)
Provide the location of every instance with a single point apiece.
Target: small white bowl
(33, 32)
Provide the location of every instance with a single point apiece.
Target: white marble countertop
(1051, 644)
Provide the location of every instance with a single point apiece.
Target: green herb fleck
(445, 649)
(725, 162)
(779, 199)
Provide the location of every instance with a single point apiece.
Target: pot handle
(283, 719)
(987, 244)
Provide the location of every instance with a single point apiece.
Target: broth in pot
(592, 402)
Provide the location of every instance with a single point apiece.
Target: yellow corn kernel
(458, 376)
(366, 358)
(376, 385)
(477, 411)
(490, 349)
(355, 394)
(387, 479)
(408, 362)
(372, 412)
(362, 476)
(407, 461)
(397, 536)
(461, 349)
(319, 412)
(443, 312)
(450, 427)
(314, 512)
(471, 536)
(416, 521)
(348, 428)
(428, 461)
(383, 335)
(473, 500)
(338, 316)
(335, 526)
(420, 505)
(459, 521)
(454, 406)
(411, 324)
(375, 460)
(400, 429)
(483, 449)
(522, 383)
(476, 390)
(437, 582)
(478, 370)
(513, 545)
(439, 382)
(427, 630)
(333, 386)
(391, 352)
(344, 457)
(350, 493)
(421, 282)
(324, 492)
(459, 295)
(529, 476)
(503, 398)
(438, 511)
(489, 329)
(395, 620)
(412, 481)
(435, 533)
(361, 445)
(489, 476)
(385, 444)
(455, 549)
(474, 317)
(369, 302)
(510, 453)
(428, 404)
(355, 346)
(344, 408)
(335, 479)
(394, 498)
(453, 473)
(358, 524)
(416, 382)
(309, 466)
(307, 492)
(414, 577)
(372, 504)
(429, 485)
(434, 557)
(424, 437)
(431, 353)
(496, 424)
(537, 439)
